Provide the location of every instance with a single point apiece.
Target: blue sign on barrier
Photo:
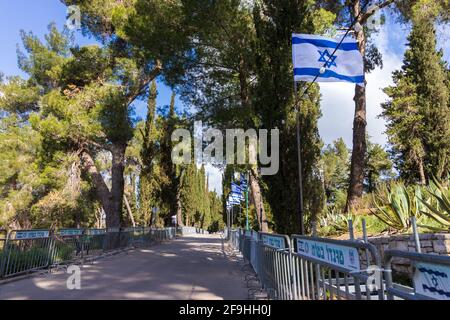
(334, 254)
(94, 232)
(274, 241)
(36, 234)
(70, 232)
(432, 280)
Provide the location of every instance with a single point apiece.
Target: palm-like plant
(438, 205)
(395, 207)
(339, 221)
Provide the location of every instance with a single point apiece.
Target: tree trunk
(258, 200)
(423, 180)
(103, 193)
(179, 212)
(355, 189)
(117, 189)
(130, 213)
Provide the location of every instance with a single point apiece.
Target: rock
(439, 246)
(427, 243)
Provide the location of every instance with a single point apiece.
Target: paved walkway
(190, 268)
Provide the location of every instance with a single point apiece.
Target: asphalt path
(188, 268)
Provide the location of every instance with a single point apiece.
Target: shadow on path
(188, 268)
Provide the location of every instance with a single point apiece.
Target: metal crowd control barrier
(235, 237)
(67, 246)
(312, 268)
(273, 262)
(326, 269)
(25, 251)
(184, 231)
(94, 242)
(431, 277)
(3, 235)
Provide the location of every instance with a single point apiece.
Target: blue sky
(337, 98)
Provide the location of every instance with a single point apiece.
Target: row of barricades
(25, 251)
(184, 231)
(312, 268)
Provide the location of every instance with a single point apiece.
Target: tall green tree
(417, 113)
(274, 97)
(148, 186)
(59, 192)
(360, 12)
(122, 30)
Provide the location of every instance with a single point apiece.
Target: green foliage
(338, 224)
(18, 96)
(438, 206)
(378, 166)
(274, 101)
(417, 114)
(395, 205)
(336, 167)
(232, 62)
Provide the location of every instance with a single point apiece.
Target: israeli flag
(236, 188)
(232, 201)
(244, 184)
(237, 196)
(311, 53)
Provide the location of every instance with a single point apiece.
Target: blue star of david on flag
(327, 58)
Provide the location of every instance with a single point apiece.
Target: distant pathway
(188, 268)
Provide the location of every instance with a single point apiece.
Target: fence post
(416, 235)
(350, 229)
(364, 228)
(4, 255)
(51, 244)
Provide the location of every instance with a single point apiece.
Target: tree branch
(367, 15)
(144, 83)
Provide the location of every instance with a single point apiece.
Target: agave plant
(395, 207)
(437, 207)
(340, 221)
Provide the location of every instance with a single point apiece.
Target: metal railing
(275, 266)
(327, 269)
(431, 279)
(191, 230)
(26, 251)
(311, 268)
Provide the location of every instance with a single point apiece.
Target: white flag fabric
(310, 53)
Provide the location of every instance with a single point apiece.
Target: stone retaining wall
(437, 243)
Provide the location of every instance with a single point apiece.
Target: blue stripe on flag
(328, 74)
(345, 46)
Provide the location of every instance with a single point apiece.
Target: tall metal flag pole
(246, 203)
(306, 71)
(299, 154)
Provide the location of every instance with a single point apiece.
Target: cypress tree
(147, 185)
(417, 113)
